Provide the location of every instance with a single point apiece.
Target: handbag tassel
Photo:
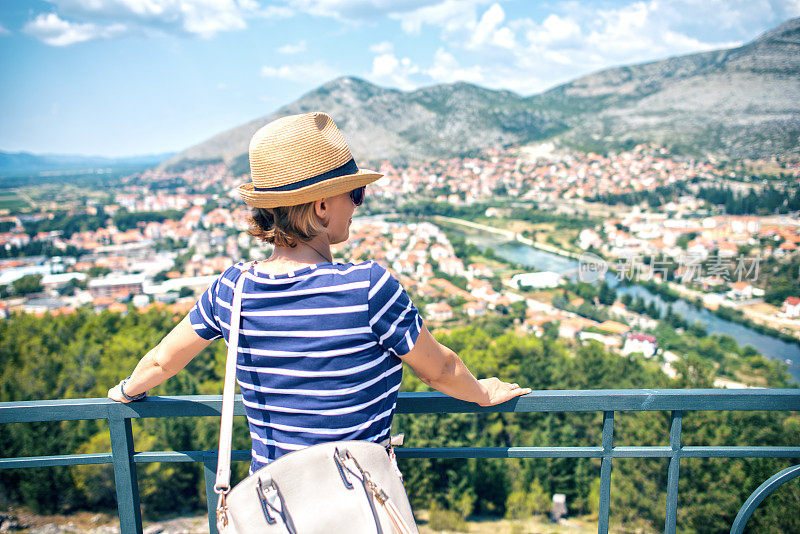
(391, 510)
(397, 519)
(222, 512)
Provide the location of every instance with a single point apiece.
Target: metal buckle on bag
(222, 511)
(261, 491)
(380, 495)
(270, 494)
(344, 460)
(340, 459)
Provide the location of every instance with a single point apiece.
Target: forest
(83, 354)
(766, 201)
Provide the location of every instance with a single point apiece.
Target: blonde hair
(285, 226)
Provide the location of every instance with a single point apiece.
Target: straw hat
(299, 159)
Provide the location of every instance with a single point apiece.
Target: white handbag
(343, 486)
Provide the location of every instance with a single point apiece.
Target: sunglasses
(357, 195)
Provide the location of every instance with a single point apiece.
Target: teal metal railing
(677, 402)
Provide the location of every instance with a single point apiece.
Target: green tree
(28, 284)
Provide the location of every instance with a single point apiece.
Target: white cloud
(555, 30)
(643, 31)
(488, 26)
(3, 30)
(792, 8)
(203, 18)
(452, 16)
(275, 12)
(577, 39)
(385, 46)
(316, 72)
(384, 64)
(446, 69)
(480, 43)
(504, 38)
(388, 69)
(54, 31)
(293, 48)
(527, 55)
(358, 10)
(491, 32)
(209, 18)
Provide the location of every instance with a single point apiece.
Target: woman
(321, 344)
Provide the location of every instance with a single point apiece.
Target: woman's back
(318, 351)
(319, 358)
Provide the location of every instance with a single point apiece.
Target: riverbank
(512, 236)
(743, 316)
(738, 315)
(769, 342)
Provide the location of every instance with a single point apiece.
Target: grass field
(10, 200)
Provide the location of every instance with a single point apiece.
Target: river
(771, 347)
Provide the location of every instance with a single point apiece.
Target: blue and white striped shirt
(318, 351)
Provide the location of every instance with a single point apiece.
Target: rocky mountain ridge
(735, 103)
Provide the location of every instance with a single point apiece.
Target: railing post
(605, 473)
(130, 514)
(675, 426)
(210, 474)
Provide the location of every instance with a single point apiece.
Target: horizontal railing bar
(597, 452)
(740, 452)
(434, 452)
(152, 407)
(613, 400)
(183, 456)
(52, 461)
(499, 452)
(539, 401)
(167, 457)
(641, 452)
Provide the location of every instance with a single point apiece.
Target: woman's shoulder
(233, 272)
(348, 267)
(369, 270)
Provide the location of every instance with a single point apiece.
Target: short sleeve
(393, 317)
(202, 316)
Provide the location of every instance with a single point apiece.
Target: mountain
(740, 102)
(16, 163)
(381, 123)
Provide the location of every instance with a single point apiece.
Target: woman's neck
(315, 251)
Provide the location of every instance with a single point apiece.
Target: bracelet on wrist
(130, 398)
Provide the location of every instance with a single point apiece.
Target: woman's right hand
(499, 392)
(115, 394)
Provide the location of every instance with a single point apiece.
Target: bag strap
(222, 485)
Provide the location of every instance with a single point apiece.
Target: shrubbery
(82, 355)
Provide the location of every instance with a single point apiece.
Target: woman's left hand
(499, 392)
(116, 395)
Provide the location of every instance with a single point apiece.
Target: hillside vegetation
(81, 355)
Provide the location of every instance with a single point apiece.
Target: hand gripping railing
(123, 457)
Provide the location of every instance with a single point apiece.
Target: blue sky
(128, 77)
